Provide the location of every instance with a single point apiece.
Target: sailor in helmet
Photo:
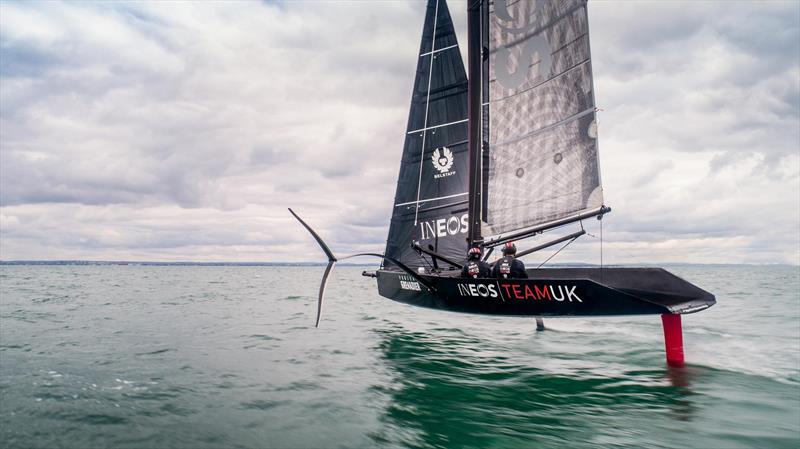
(508, 267)
(475, 267)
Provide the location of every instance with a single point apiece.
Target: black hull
(553, 292)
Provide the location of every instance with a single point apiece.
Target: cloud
(179, 131)
(701, 76)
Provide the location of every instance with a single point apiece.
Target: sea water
(207, 357)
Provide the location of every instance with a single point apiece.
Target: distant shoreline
(322, 264)
(191, 264)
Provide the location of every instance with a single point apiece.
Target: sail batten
(432, 199)
(439, 50)
(546, 128)
(437, 126)
(576, 66)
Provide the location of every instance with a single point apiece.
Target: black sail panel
(431, 200)
(542, 145)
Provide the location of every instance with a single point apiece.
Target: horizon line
(322, 263)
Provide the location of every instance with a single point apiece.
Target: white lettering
(450, 222)
(406, 285)
(444, 175)
(475, 290)
(409, 283)
(571, 293)
(430, 233)
(441, 229)
(552, 290)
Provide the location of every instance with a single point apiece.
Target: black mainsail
(430, 205)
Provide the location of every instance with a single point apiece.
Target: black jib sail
(542, 137)
(430, 205)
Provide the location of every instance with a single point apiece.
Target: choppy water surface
(196, 357)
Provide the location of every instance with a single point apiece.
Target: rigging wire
(427, 104)
(601, 249)
(428, 263)
(556, 253)
(601, 244)
(616, 250)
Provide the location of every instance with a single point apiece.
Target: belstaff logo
(442, 159)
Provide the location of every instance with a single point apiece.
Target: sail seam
(427, 104)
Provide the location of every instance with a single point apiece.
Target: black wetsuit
(476, 268)
(509, 268)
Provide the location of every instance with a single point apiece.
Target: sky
(177, 131)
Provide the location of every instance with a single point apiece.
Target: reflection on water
(456, 391)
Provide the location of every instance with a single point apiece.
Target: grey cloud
(652, 172)
(718, 76)
(189, 127)
(124, 230)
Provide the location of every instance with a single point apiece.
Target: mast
(474, 123)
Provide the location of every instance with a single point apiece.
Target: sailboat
(503, 152)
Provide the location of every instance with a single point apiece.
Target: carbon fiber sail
(430, 204)
(541, 161)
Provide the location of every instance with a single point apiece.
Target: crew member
(475, 267)
(508, 267)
